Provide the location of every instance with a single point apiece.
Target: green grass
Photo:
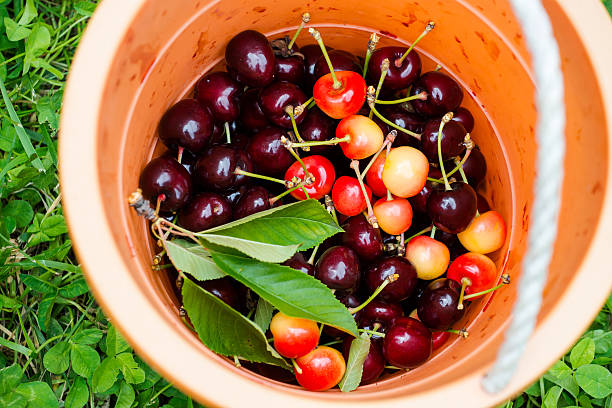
(56, 346)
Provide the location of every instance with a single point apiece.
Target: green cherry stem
(438, 67)
(371, 98)
(374, 38)
(313, 254)
(371, 217)
(179, 158)
(305, 20)
(458, 163)
(373, 333)
(227, 133)
(505, 281)
(420, 96)
(273, 200)
(305, 193)
(433, 231)
(317, 36)
(430, 26)
(260, 176)
(329, 206)
(300, 108)
(386, 145)
(461, 332)
(388, 280)
(445, 119)
(332, 141)
(289, 110)
(421, 232)
(465, 282)
(384, 69)
(296, 367)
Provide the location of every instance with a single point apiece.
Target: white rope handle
(550, 138)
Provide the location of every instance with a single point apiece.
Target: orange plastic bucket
(139, 57)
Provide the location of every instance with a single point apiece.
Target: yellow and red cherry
(293, 336)
(476, 272)
(485, 234)
(374, 176)
(405, 171)
(364, 136)
(347, 196)
(321, 369)
(323, 176)
(428, 256)
(394, 216)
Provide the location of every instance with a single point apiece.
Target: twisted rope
(550, 137)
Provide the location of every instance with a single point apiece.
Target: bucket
(137, 58)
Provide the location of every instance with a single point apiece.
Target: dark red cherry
(204, 211)
(443, 94)
(362, 237)
(419, 201)
(225, 289)
(165, 176)
(338, 268)
(341, 61)
(475, 167)
(232, 196)
(317, 127)
(188, 159)
(276, 97)
(452, 243)
(483, 204)
(215, 168)
(251, 115)
(379, 311)
(404, 119)
(298, 263)
(407, 343)
(452, 210)
(437, 307)
(254, 200)
(290, 69)
(464, 117)
(250, 57)
(186, 124)
(221, 94)
(397, 77)
(374, 363)
(395, 291)
(453, 135)
(269, 156)
(311, 53)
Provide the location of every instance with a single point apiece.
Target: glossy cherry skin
(186, 124)
(452, 210)
(347, 196)
(374, 363)
(298, 263)
(362, 237)
(290, 69)
(204, 211)
(321, 369)
(311, 53)
(407, 120)
(483, 204)
(215, 168)
(188, 159)
(276, 97)
(397, 77)
(464, 116)
(407, 343)
(394, 216)
(221, 94)
(405, 171)
(475, 167)
(344, 101)
(250, 57)
(366, 138)
(374, 176)
(439, 338)
(338, 268)
(453, 135)
(485, 234)
(437, 306)
(251, 114)
(294, 337)
(254, 200)
(452, 243)
(478, 268)
(395, 291)
(443, 94)
(429, 257)
(341, 61)
(379, 311)
(225, 289)
(317, 127)
(419, 201)
(164, 175)
(267, 153)
(321, 169)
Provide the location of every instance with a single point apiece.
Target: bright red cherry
(429, 257)
(348, 197)
(407, 343)
(476, 272)
(321, 169)
(294, 337)
(340, 101)
(321, 369)
(486, 233)
(366, 138)
(374, 176)
(405, 171)
(394, 216)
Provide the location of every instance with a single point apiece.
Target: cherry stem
(313, 254)
(160, 199)
(298, 110)
(291, 112)
(386, 145)
(227, 133)
(430, 26)
(465, 282)
(433, 231)
(438, 67)
(305, 192)
(401, 249)
(305, 20)
(421, 232)
(420, 96)
(388, 280)
(308, 177)
(374, 38)
(445, 119)
(329, 206)
(317, 36)
(237, 362)
(261, 176)
(459, 165)
(461, 332)
(384, 69)
(371, 99)
(505, 281)
(296, 366)
(371, 217)
(373, 333)
(332, 141)
(180, 154)
(389, 195)
(273, 200)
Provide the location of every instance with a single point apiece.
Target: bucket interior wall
(170, 45)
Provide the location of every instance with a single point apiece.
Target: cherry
(276, 97)
(486, 233)
(164, 179)
(186, 124)
(381, 312)
(321, 169)
(273, 372)
(374, 176)
(225, 289)
(476, 272)
(475, 167)
(393, 216)
(311, 53)
(232, 196)
(250, 58)
(317, 127)
(452, 210)
(464, 116)
(215, 169)
(298, 263)
(453, 135)
(293, 336)
(204, 211)
(444, 94)
(429, 257)
(341, 61)
(339, 101)
(452, 243)
(404, 119)
(349, 300)
(398, 77)
(251, 114)
(268, 154)
(405, 171)
(338, 268)
(254, 200)
(374, 363)
(362, 237)
(439, 338)
(347, 196)
(437, 306)
(398, 290)
(221, 94)
(290, 69)
(419, 201)
(362, 136)
(321, 369)
(483, 204)
(188, 159)
(407, 343)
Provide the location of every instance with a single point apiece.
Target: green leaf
(551, 397)
(74, 289)
(47, 109)
(563, 376)
(78, 395)
(14, 31)
(57, 359)
(9, 303)
(38, 394)
(54, 225)
(37, 284)
(84, 8)
(15, 347)
(36, 44)
(360, 347)
(105, 375)
(275, 234)
(583, 352)
(84, 360)
(292, 292)
(191, 258)
(585, 401)
(594, 380)
(115, 343)
(533, 390)
(263, 314)
(12, 400)
(10, 377)
(29, 13)
(132, 373)
(20, 210)
(224, 330)
(87, 336)
(126, 396)
(45, 307)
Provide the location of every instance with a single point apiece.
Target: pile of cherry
(396, 162)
